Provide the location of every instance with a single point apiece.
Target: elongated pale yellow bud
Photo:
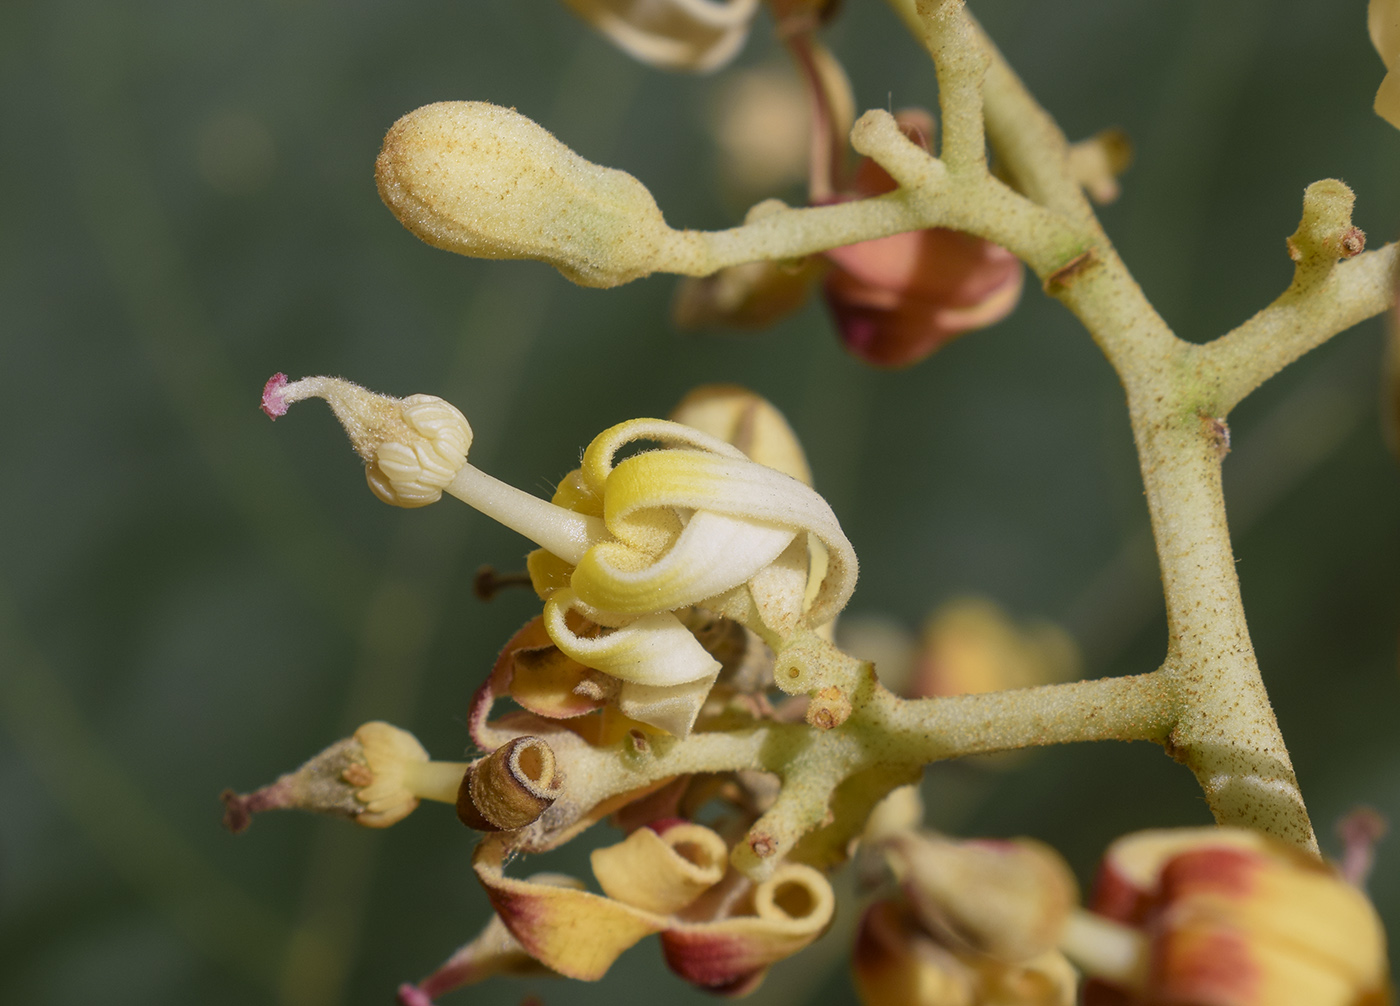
(509, 788)
(412, 447)
(485, 181)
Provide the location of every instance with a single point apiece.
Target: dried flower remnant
(1096, 163)
(509, 788)
(897, 299)
(1226, 917)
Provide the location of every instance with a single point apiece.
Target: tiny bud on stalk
(1325, 233)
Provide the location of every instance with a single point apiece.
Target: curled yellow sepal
(730, 956)
(661, 871)
(580, 934)
(702, 474)
(747, 421)
(665, 673)
(654, 649)
(493, 952)
(573, 932)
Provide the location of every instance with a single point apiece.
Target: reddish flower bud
(899, 298)
(1232, 918)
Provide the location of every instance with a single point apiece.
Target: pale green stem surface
(1207, 703)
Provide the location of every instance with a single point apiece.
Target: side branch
(946, 31)
(1029, 143)
(1137, 708)
(929, 196)
(1301, 319)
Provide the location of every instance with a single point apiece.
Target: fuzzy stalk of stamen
(435, 780)
(565, 533)
(1106, 949)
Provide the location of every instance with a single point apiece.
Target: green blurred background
(191, 598)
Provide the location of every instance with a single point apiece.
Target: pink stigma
(412, 995)
(272, 401)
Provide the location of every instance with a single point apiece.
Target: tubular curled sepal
(661, 869)
(511, 787)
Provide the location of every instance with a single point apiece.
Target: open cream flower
(718, 930)
(627, 543)
(1383, 19)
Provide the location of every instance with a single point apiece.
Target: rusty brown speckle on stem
(763, 845)
(1070, 271)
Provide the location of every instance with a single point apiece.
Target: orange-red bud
(897, 299)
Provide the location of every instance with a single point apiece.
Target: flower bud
(896, 961)
(509, 788)
(752, 295)
(1236, 919)
(748, 421)
(412, 448)
(970, 646)
(485, 181)
(1006, 899)
(897, 299)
